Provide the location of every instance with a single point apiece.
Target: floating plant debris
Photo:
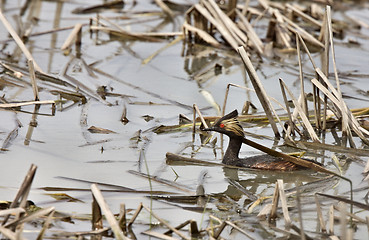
(94, 129)
(112, 5)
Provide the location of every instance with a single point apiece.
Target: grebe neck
(232, 151)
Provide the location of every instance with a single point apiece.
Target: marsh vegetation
(103, 102)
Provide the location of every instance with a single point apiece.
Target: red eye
(221, 125)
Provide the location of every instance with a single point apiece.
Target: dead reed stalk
(33, 79)
(259, 89)
(236, 24)
(118, 233)
(21, 197)
(196, 110)
(301, 112)
(74, 36)
(19, 41)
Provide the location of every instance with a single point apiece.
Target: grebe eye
(221, 125)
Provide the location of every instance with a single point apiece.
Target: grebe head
(228, 125)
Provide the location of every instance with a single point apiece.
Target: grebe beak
(208, 129)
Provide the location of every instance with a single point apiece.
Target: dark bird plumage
(230, 126)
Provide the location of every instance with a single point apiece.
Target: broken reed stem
(18, 41)
(320, 214)
(151, 37)
(166, 224)
(138, 210)
(247, 89)
(224, 20)
(293, 27)
(73, 36)
(331, 220)
(234, 226)
(158, 235)
(301, 112)
(182, 225)
(259, 89)
(273, 211)
(254, 38)
(230, 11)
(96, 220)
(325, 63)
(23, 190)
(226, 95)
(329, 27)
(301, 74)
(345, 120)
(341, 106)
(118, 233)
(32, 125)
(78, 43)
(165, 8)
(241, 37)
(343, 219)
(193, 229)
(291, 125)
(13, 105)
(281, 29)
(123, 218)
(11, 211)
(31, 217)
(45, 226)
(201, 33)
(32, 75)
(152, 56)
(219, 230)
(197, 110)
(142, 154)
(108, 21)
(221, 227)
(283, 199)
(299, 209)
(8, 233)
(222, 29)
(317, 100)
(306, 50)
(304, 16)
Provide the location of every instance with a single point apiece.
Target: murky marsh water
(154, 94)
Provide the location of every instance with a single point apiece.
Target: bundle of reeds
(235, 25)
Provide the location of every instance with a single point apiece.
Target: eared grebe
(230, 126)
